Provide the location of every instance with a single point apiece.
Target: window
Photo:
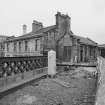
(14, 46)
(7, 47)
(37, 44)
(19, 46)
(2, 46)
(67, 52)
(48, 36)
(54, 35)
(91, 51)
(26, 45)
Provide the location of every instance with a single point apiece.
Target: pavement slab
(49, 92)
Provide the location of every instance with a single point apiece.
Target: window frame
(20, 46)
(26, 45)
(15, 43)
(8, 47)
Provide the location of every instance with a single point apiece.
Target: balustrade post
(51, 63)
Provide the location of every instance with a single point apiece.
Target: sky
(87, 16)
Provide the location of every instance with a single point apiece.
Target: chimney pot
(24, 29)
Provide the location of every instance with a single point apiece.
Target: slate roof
(42, 31)
(85, 40)
(46, 29)
(34, 34)
(101, 45)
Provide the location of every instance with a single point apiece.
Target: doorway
(67, 53)
(81, 53)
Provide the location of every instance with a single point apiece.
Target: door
(81, 53)
(67, 53)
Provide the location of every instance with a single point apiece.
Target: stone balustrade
(14, 65)
(15, 71)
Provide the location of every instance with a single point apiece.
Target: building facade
(101, 49)
(59, 37)
(2, 39)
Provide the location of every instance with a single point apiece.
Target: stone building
(2, 39)
(59, 37)
(101, 49)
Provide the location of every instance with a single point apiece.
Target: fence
(13, 65)
(16, 70)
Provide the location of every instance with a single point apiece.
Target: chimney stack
(36, 26)
(24, 29)
(63, 22)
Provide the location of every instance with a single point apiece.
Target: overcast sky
(87, 16)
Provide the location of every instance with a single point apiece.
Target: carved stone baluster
(5, 66)
(27, 66)
(16, 69)
(12, 67)
(30, 64)
(21, 67)
(36, 61)
(24, 65)
(27, 69)
(9, 69)
(3, 69)
(39, 62)
(18, 65)
(34, 64)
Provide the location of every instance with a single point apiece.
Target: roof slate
(34, 34)
(41, 32)
(102, 45)
(87, 41)
(46, 29)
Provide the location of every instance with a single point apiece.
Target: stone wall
(31, 44)
(64, 42)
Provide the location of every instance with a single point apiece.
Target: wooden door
(67, 53)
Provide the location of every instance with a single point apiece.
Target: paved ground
(54, 92)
